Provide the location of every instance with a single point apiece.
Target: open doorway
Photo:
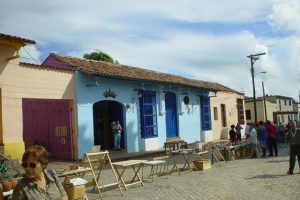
(105, 112)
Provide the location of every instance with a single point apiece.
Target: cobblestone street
(238, 179)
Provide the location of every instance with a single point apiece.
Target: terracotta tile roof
(15, 38)
(125, 72)
(37, 66)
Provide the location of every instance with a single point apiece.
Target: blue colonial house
(151, 106)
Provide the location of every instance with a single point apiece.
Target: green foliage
(99, 55)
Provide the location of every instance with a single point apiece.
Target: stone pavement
(242, 179)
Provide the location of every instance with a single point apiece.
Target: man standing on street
(262, 135)
(294, 137)
(272, 140)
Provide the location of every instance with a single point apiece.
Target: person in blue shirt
(262, 137)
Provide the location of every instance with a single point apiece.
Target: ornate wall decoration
(109, 93)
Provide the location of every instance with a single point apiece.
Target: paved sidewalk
(241, 179)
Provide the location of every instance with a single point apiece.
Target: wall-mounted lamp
(186, 100)
(128, 106)
(95, 84)
(140, 94)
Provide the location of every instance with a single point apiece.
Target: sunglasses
(31, 165)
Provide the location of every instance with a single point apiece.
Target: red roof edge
(53, 62)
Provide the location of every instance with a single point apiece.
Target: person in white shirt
(252, 137)
(247, 130)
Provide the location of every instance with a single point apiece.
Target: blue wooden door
(171, 115)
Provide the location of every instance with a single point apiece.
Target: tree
(99, 55)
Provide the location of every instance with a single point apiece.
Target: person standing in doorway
(294, 137)
(117, 130)
(272, 140)
(238, 129)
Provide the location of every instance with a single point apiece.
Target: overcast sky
(204, 40)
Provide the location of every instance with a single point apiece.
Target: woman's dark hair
(39, 153)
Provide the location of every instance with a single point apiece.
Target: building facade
(227, 109)
(151, 106)
(279, 109)
(68, 104)
(31, 101)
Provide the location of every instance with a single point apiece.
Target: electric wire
(31, 57)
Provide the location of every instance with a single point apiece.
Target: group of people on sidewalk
(265, 135)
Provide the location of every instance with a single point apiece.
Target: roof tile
(110, 70)
(19, 39)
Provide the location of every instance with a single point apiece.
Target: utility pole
(265, 105)
(254, 58)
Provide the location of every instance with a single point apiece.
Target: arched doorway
(105, 112)
(171, 115)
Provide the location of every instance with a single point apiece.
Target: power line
(254, 58)
(35, 60)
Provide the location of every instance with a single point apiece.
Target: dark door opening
(223, 115)
(105, 112)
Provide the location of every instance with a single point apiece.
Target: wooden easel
(96, 162)
(217, 155)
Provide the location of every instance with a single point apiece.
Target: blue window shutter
(148, 117)
(205, 113)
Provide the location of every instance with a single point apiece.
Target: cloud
(203, 56)
(286, 15)
(185, 37)
(284, 67)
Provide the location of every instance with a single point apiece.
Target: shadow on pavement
(277, 161)
(269, 176)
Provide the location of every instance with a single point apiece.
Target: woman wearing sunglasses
(38, 183)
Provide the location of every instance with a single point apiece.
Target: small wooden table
(76, 172)
(120, 168)
(200, 153)
(187, 155)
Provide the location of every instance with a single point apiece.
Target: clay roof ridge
(28, 41)
(162, 77)
(118, 65)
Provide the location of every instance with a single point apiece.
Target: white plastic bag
(78, 181)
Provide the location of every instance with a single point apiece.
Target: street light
(263, 72)
(264, 96)
(254, 58)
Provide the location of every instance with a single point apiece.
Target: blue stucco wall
(189, 123)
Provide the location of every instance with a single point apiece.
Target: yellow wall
(271, 107)
(23, 81)
(14, 149)
(230, 101)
